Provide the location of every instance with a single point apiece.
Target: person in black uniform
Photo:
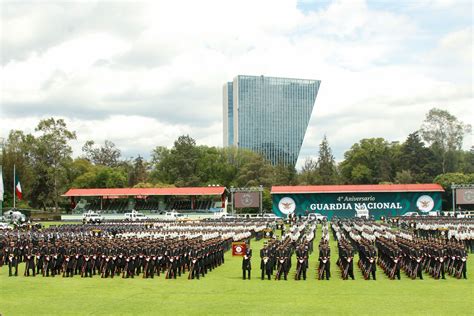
(246, 263)
(108, 268)
(129, 270)
(372, 261)
(195, 264)
(48, 265)
(39, 259)
(12, 264)
(346, 259)
(265, 263)
(30, 264)
(283, 262)
(302, 262)
(87, 267)
(149, 269)
(324, 260)
(12, 255)
(68, 267)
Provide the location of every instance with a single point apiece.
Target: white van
(173, 215)
(92, 217)
(135, 217)
(317, 217)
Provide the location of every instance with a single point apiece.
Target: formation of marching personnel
(394, 251)
(361, 237)
(453, 229)
(126, 250)
(276, 254)
(345, 261)
(324, 267)
(150, 249)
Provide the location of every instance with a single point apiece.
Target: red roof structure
(122, 192)
(429, 187)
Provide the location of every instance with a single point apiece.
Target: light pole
(1, 176)
(453, 190)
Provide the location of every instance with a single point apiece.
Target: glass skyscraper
(268, 115)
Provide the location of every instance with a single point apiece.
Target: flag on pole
(19, 193)
(1, 185)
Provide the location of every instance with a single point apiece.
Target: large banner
(349, 204)
(465, 196)
(246, 199)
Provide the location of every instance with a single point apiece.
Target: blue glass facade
(271, 115)
(230, 114)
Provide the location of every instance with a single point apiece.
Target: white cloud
(147, 72)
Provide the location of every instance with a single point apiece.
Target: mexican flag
(19, 193)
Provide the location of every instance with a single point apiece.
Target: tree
(159, 169)
(308, 174)
(102, 177)
(326, 165)
(254, 172)
(369, 162)
(179, 166)
(284, 175)
(214, 167)
(78, 167)
(466, 161)
(404, 177)
(415, 158)
(51, 155)
(267, 200)
(139, 171)
(17, 151)
(107, 155)
(445, 133)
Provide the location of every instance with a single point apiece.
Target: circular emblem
(287, 205)
(425, 203)
(469, 196)
(246, 199)
(238, 249)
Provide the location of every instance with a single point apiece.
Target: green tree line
(47, 167)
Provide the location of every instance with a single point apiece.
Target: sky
(142, 73)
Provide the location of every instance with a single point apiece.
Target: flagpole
(14, 185)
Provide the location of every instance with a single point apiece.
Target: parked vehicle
(92, 217)
(5, 226)
(135, 216)
(317, 216)
(14, 217)
(411, 214)
(173, 215)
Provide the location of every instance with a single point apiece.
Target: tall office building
(268, 115)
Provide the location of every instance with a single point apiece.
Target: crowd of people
(125, 249)
(414, 246)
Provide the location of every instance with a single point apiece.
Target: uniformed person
(247, 262)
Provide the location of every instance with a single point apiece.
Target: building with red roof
(149, 199)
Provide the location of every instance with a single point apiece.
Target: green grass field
(223, 291)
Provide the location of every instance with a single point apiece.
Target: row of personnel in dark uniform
(395, 251)
(125, 250)
(118, 257)
(276, 255)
